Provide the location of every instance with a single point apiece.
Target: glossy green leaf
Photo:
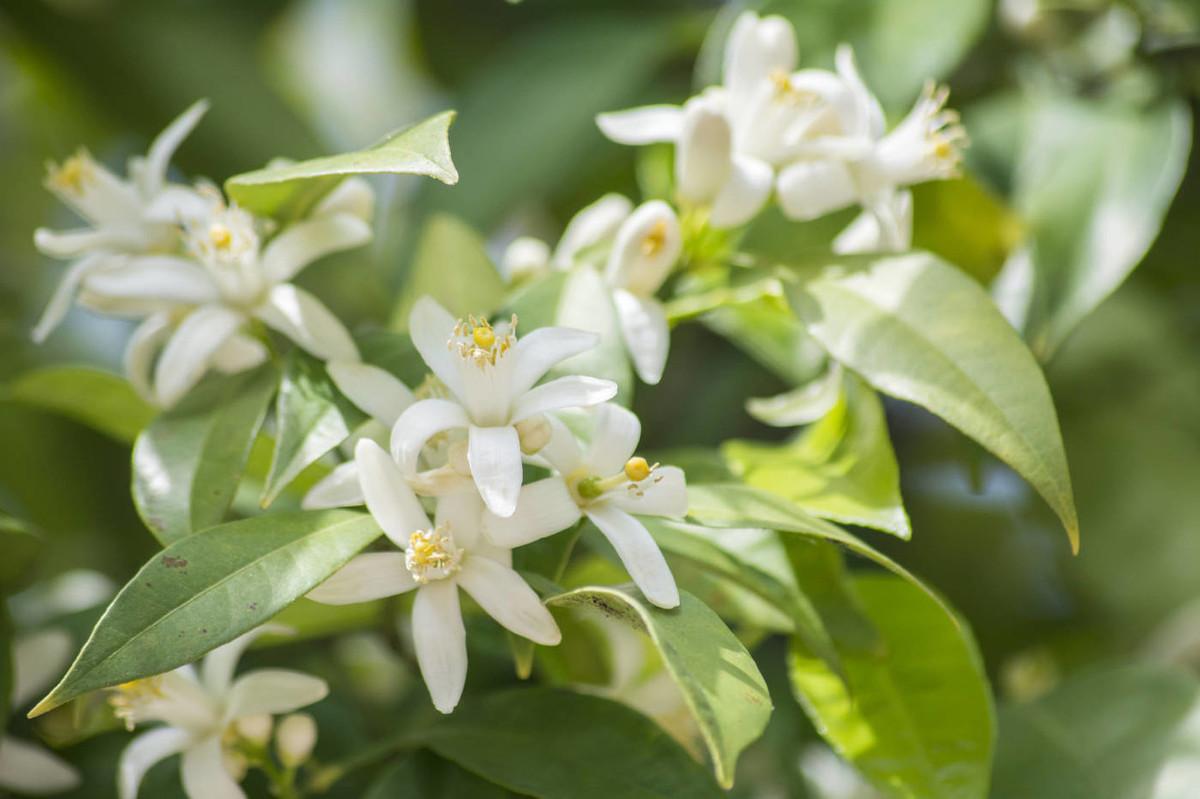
(1113, 732)
(840, 468)
(187, 464)
(424, 775)
(289, 190)
(965, 223)
(769, 333)
(452, 266)
(311, 418)
(208, 588)
(719, 679)
(531, 741)
(914, 715)
(100, 400)
(920, 330)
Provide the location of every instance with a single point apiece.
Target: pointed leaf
(100, 400)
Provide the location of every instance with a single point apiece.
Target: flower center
(220, 236)
(944, 134)
(72, 174)
(432, 554)
(130, 697)
(476, 341)
(633, 477)
(786, 92)
(227, 246)
(656, 239)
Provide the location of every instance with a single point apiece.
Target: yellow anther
(782, 81)
(72, 174)
(484, 336)
(637, 469)
(220, 235)
(431, 555)
(656, 239)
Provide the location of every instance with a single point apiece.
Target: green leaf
(290, 190)
(770, 334)
(20, 543)
(187, 464)
(424, 775)
(1089, 227)
(547, 558)
(1112, 732)
(840, 468)
(452, 266)
(311, 418)
(920, 330)
(100, 400)
(207, 589)
(913, 715)
(719, 679)
(555, 744)
(965, 223)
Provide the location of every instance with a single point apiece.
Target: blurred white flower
(132, 216)
(490, 376)
(437, 559)
(609, 485)
(296, 738)
(200, 714)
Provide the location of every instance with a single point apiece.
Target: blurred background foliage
(1080, 114)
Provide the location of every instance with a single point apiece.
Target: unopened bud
(526, 257)
(295, 739)
(255, 729)
(236, 764)
(534, 434)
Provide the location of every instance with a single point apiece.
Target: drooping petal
(593, 224)
(756, 48)
(158, 157)
(614, 439)
(494, 454)
(338, 489)
(540, 350)
(366, 577)
(189, 351)
(647, 336)
(351, 196)
(143, 752)
(372, 389)
(644, 125)
(203, 772)
(431, 326)
(74, 243)
(164, 278)
(664, 493)
(508, 599)
(305, 320)
(64, 293)
(870, 120)
(420, 422)
(573, 391)
(544, 508)
(638, 553)
(440, 641)
(744, 194)
(304, 242)
(387, 494)
(809, 189)
(273, 691)
(218, 666)
(647, 246)
(239, 353)
(140, 351)
(178, 205)
(703, 156)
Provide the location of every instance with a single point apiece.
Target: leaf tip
(47, 704)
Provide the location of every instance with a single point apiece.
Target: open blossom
(127, 217)
(491, 376)
(202, 715)
(608, 484)
(196, 307)
(436, 560)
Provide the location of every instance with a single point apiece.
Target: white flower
(857, 162)
(525, 257)
(437, 559)
(126, 216)
(607, 484)
(887, 228)
(25, 767)
(199, 713)
(490, 376)
(196, 308)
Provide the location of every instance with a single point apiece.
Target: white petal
(614, 439)
(540, 350)
(462, 511)
(644, 125)
(662, 494)
(420, 422)
(74, 243)
(809, 189)
(203, 772)
(508, 599)
(376, 391)
(305, 320)
(188, 352)
(31, 769)
(593, 224)
(156, 277)
(543, 508)
(143, 752)
(703, 156)
(273, 691)
(338, 489)
(744, 194)
(647, 336)
(352, 196)
(158, 157)
(38, 659)
(870, 120)
(141, 350)
(574, 391)
(647, 246)
(304, 242)
(388, 496)
(638, 552)
(756, 48)
(64, 293)
(563, 451)
(239, 353)
(440, 641)
(494, 454)
(431, 326)
(179, 205)
(374, 575)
